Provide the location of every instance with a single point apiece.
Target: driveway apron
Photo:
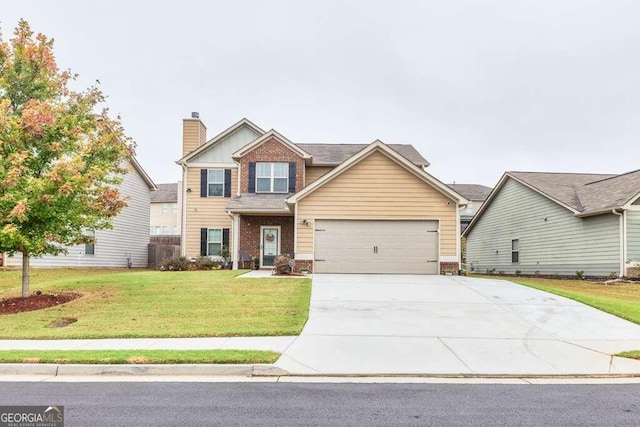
(412, 324)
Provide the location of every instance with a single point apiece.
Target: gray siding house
(557, 224)
(126, 243)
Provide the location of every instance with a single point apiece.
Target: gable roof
(581, 193)
(264, 138)
(143, 174)
(381, 147)
(333, 154)
(474, 192)
(166, 193)
(218, 137)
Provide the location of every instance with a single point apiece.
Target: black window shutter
(203, 182)
(292, 177)
(203, 241)
(225, 238)
(252, 177)
(227, 183)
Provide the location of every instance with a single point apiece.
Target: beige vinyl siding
(633, 235)
(205, 212)
(563, 244)
(222, 150)
(194, 134)
(377, 188)
(312, 173)
(129, 237)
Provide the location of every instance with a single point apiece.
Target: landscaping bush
(282, 264)
(176, 264)
(206, 263)
(580, 274)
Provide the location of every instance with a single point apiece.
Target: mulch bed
(34, 302)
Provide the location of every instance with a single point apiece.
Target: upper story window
(165, 208)
(174, 208)
(272, 177)
(215, 183)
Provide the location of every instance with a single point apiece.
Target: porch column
(236, 239)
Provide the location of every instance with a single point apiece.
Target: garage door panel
(376, 246)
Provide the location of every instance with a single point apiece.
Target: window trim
(272, 177)
(209, 241)
(165, 209)
(515, 253)
(209, 182)
(90, 248)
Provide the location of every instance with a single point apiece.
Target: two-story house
(335, 208)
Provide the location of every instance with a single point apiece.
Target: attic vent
(195, 115)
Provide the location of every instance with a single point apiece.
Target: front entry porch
(265, 237)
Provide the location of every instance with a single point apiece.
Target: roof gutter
(623, 241)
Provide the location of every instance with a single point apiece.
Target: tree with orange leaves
(61, 155)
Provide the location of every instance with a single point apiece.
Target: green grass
(619, 299)
(137, 356)
(630, 354)
(135, 304)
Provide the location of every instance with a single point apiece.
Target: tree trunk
(25, 275)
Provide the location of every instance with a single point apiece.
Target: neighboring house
(124, 244)
(165, 212)
(476, 194)
(558, 223)
(335, 208)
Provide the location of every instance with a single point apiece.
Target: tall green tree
(61, 155)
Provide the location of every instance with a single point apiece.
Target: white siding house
(126, 244)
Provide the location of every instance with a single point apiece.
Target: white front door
(270, 245)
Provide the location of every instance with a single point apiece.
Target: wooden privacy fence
(163, 248)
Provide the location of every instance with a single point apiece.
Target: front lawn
(619, 299)
(138, 356)
(136, 304)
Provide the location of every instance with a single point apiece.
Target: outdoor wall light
(496, 251)
(188, 190)
(305, 222)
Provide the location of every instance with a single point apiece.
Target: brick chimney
(194, 133)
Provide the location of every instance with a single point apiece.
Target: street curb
(140, 370)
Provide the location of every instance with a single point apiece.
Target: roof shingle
(334, 154)
(166, 193)
(474, 192)
(247, 202)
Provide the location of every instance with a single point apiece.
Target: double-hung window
(90, 247)
(214, 241)
(515, 251)
(165, 208)
(215, 183)
(174, 208)
(272, 177)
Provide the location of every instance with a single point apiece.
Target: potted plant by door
(225, 254)
(256, 263)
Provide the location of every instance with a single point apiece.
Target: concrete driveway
(390, 324)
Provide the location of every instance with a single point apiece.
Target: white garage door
(365, 246)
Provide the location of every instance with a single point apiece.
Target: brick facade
(271, 151)
(250, 233)
(449, 265)
(303, 264)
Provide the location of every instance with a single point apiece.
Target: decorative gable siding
(129, 237)
(562, 244)
(377, 188)
(204, 212)
(221, 151)
(633, 236)
(271, 150)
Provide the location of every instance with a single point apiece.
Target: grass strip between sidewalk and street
(138, 356)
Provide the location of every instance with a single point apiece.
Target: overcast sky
(478, 87)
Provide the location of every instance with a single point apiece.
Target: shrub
(501, 273)
(206, 263)
(580, 274)
(491, 270)
(518, 272)
(537, 273)
(613, 275)
(176, 264)
(282, 264)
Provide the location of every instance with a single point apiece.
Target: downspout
(622, 241)
(239, 176)
(183, 208)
